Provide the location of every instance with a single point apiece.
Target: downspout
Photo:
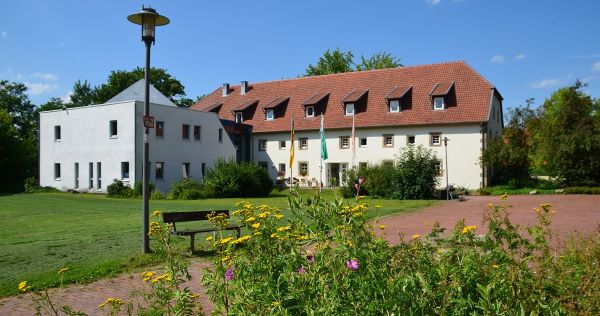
(483, 133)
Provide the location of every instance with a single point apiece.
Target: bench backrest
(174, 217)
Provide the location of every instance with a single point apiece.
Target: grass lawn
(96, 236)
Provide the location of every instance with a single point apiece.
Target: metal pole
(446, 150)
(146, 154)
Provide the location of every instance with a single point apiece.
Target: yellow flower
(504, 196)
(209, 237)
(115, 302)
(284, 228)
(255, 225)
(243, 238)
(257, 234)
(274, 235)
(360, 197)
(276, 303)
(165, 277)
(495, 266)
(349, 242)
(468, 229)
(147, 275)
(63, 270)
(225, 240)
(264, 214)
(156, 213)
(382, 227)
(278, 216)
(378, 206)
(23, 287)
(490, 205)
(251, 219)
(416, 236)
(225, 258)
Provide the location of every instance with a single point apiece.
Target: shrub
(231, 179)
(137, 188)
(582, 190)
(185, 189)
(157, 195)
(32, 186)
(118, 190)
(484, 191)
(378, 181)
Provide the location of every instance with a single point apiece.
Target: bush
(32, 186)
(582, 190)
(378, 182)
(231, 179)
(118, 189)
(484, 191)
(137, 188)
(157, 195)
(186, 189)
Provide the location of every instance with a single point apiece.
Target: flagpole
(353, 142)
(321, 165)
(292, 153)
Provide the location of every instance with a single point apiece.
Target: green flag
(323, 143)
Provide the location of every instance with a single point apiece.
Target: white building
(390, 108)
(86, 148)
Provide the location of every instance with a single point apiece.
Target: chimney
(244, 87)
(225, 89)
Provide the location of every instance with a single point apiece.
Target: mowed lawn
(95, 236)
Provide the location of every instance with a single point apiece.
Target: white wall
(464, 150)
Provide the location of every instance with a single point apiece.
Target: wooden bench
(192, 216)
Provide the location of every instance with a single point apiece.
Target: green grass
(502, 189)
(96, 237)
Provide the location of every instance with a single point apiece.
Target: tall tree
(331, 62)
(119, 80)
(381, 60)
(14, 100)
(83, 94)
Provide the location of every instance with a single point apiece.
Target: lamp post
(149, 20)
(446, 150)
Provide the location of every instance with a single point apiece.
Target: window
(435, 139)
(203, 169)
(262, 144)
(438, 168)
(197, 132)
(344, 142)
(185, 168)
(98, 175)
(56, 171)
(270, 115)
(76, 176)
(113, 130)
(388, 162)
(303, 168)
(362, 142)
(349, 108)
(91, 173)
(125, 170)
(410, 139)
(220, 135)
(395, 106)
(310, 111)
(362, 165)
(303, 143)
(160, 128)
(282, 144)
(239, 117)
(281, 169)
(185, 131)
(438, 103)
(57, 133)
(159, 168)
(388, 140)
(263, 164)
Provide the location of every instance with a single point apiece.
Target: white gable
(135, 92)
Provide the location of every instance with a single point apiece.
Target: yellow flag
(292, 145)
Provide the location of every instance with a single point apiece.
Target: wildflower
(242, 239)
(229, 273)
(251, 219)
(352, 264)
(349, 242)
(284, 228)
(63, 270)
(23, 287)
(165, 277)
(274, 235)
(495, 266)
(378, 206)
(382, 227)
(504, 196)
(468, 229)
(416, 236)
(225, 258)
(115, 302)
(147, 275)
(278, 216)
(156, 213)
(276, 303)
(264, 214)
(360, 197)
(255, 225)
(225, 240)
(209, 238)
(247, 205)
(490, 205)
(301, 270)
(257, 234)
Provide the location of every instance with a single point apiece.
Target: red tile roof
(275, 103)
(442, 89)
(472, 91)
(355, 96)
(244, 105)
(398, 92)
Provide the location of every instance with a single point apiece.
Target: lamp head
(149, 19)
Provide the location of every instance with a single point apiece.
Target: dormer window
(394, 106)
(310, 111)
(239, 117)
(438, 103)
(349, 109)
(270, 114)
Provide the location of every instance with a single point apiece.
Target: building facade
(87, 148)
(389, 109)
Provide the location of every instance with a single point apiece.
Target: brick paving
(575, 213)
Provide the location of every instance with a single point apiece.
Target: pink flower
(352, 264)
(301, 270)
(229, 273)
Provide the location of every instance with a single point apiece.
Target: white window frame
(432, 139)
(262, 145)
(397, 103)
(310, 109)
(347, 108)
(270, 115)
(408, 139)
(282, 144)
(303, 140)
(439, 106)
(385, 137)
(344, 142)
(360, 142)
(239, 117)
(57, 171)
(125, 176)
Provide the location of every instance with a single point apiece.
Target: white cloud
(520, 56)
(498, 59)
(36, 88)
(67, 98)
(545, 83)
(588, 79)
(596, 66)
(434, 2)
(3, 34)
(44, 76)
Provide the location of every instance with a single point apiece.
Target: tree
(567, 136)
(416, 173)
(381, 60)
(14, 100)
(331, 63)
(52, 104)
(119, 80)
(83, 94)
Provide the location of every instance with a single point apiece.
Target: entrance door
(333, 174)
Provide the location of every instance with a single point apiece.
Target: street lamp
(149, 20)
(446, 150)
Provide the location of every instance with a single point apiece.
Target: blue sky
(525, 48)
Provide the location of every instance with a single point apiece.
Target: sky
(527, 49)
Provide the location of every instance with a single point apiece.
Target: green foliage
(325, 260)
(231, 179)
(379, 179)
(157, 195)
(337, 61)
(138, 188)
(381, 60)
(83, 94)
(185, 189)
(118, 189)
(582, 190)
(18, 155)
(32, 186)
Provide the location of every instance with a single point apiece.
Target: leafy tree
(381, 60)
(83, 94)
(331, 62)
(17, 156)
(52, 104)
(416, 176)
(567, 136)
(120, 80)
(14, 100)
